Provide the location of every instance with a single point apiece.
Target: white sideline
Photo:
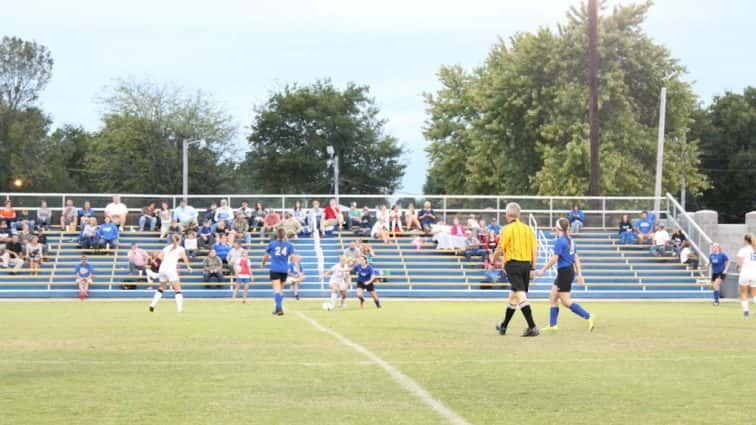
(405, 381)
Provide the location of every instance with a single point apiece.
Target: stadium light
(18, 183)
(185, 177)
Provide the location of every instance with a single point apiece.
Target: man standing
(518, 244)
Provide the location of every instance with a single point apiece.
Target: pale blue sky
(239, 51)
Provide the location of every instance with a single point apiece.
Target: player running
(339, 281)
(365, 281)
(279, 251)
(747, 267)
(84, 275)
(168, 272)
(719, 265)
(568, 263)
(243, 275)
(295, 276)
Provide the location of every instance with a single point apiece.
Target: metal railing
(699, 240)
(545, 250)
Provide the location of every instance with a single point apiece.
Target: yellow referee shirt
(518, 242)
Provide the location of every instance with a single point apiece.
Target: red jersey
(244, 267)
(331, 213)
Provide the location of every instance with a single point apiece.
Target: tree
(292, 131)
(727, 131)
(519, 123)
(139, 148)
(25, 69)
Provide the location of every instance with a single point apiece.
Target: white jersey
(339, 274)
(171, 257)
(748, 270)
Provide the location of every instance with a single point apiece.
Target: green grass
(224, 363)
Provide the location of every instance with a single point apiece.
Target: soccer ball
(327, 306)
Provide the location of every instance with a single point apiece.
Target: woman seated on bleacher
(88, 236)
(442, 235)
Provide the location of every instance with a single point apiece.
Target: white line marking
(405, 381)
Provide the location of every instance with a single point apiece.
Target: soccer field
(225, 363)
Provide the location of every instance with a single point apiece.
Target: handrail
(699, 240)
(320, 257)
(544, 247)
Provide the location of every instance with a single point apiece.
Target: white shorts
(341, 286)
(747, 278)
(168, 276)
(290, 280)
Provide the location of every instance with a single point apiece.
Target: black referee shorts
(519, 275)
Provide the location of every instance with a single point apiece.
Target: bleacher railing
(545, 249)
(677, 216)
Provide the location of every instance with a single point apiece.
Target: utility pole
(593, 113)
(660, 150)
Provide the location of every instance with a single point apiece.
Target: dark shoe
(531, 332)
(152, 309)
(501, 329)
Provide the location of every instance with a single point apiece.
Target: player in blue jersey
(365, 281)
(719, 264)
(278, 252)
(295, 276)
(568, 263)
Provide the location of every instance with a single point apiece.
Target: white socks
(179, 302)
(744, 304)
(155, 298)
(754, 300)
(334, 298)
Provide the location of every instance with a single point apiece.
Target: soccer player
(279, 251)
(747, 267)
(365, 281)
(719, 265)
(168, 272)
(339, 281)
(295, 276)
(84, 274)
(568, 263)
(242, 276)
(518, 244)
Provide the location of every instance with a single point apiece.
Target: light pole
(335, 162)
(660, 150)
(185, 161)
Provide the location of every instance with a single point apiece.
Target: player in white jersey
(339, 281)
(747, 267)
(168, 272)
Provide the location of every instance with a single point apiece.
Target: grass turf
(218, 362)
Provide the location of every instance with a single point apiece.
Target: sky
(239, 51)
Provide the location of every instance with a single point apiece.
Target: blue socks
(279, 302)
(575, 307)
(553, 316)
(716, 297)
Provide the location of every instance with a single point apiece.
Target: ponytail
(176, 240)
(281, 235)
(563, 224)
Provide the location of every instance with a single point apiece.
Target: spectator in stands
(258, 218)
(25, 235)
(411, 218)
(576, 218)
(174, 229)
(14, 253)
(221, 229)
(191, 243)
(644, 228)
(206, 234)
(332, 216)
(224, 212)
(677, 240)
(365, 220)
(24, 219)
(68, 217)
(626, 231)
(84, 277)
(270, 224)
(380, 230)
(494, 225)
(44, 216)
(300, 213)
(473, 225)
(246, 212)
(661, 241)
(688, 257)
(186, 215)
(234, 256)
(473, 248)
(34, 255)
(138, 259)
(210, 213)
(291, 225)
(457, 232)
(8, 215)
(153, 263)
(355, 216)
(212, 268)
(494, 272)
(222, 247)
(5, 232)
(107, 234)
(351, 253)
(166, 216)
(427, 216)
(314, 215)
(42, 238)
(85, 213)
(395, 217)
(148, 217)
(88, 236)
(489, 242)
(240, 228)
(117, 212)
(382, 213)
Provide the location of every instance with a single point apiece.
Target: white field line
(405, 381)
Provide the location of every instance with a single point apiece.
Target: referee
(518, 244)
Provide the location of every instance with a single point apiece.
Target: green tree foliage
(727, 131)
(25, 69)
(292, 131)
(139, 148)
(519, 123)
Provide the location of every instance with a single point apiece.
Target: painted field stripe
(405, 381)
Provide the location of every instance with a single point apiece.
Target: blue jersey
(566, 251)
(294, 270)
(644, 226)
(718, 262)
(364, 274)
(108, 231)
(84, 270)
(279, 255)
(222, 249)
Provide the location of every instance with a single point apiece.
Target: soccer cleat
(591, 323)
(530, 332)
(278, 313)
(152, 309)
(745, 313)
(501, 329)
(550, 328)
(296, 297)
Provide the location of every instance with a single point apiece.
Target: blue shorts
(244, 279)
